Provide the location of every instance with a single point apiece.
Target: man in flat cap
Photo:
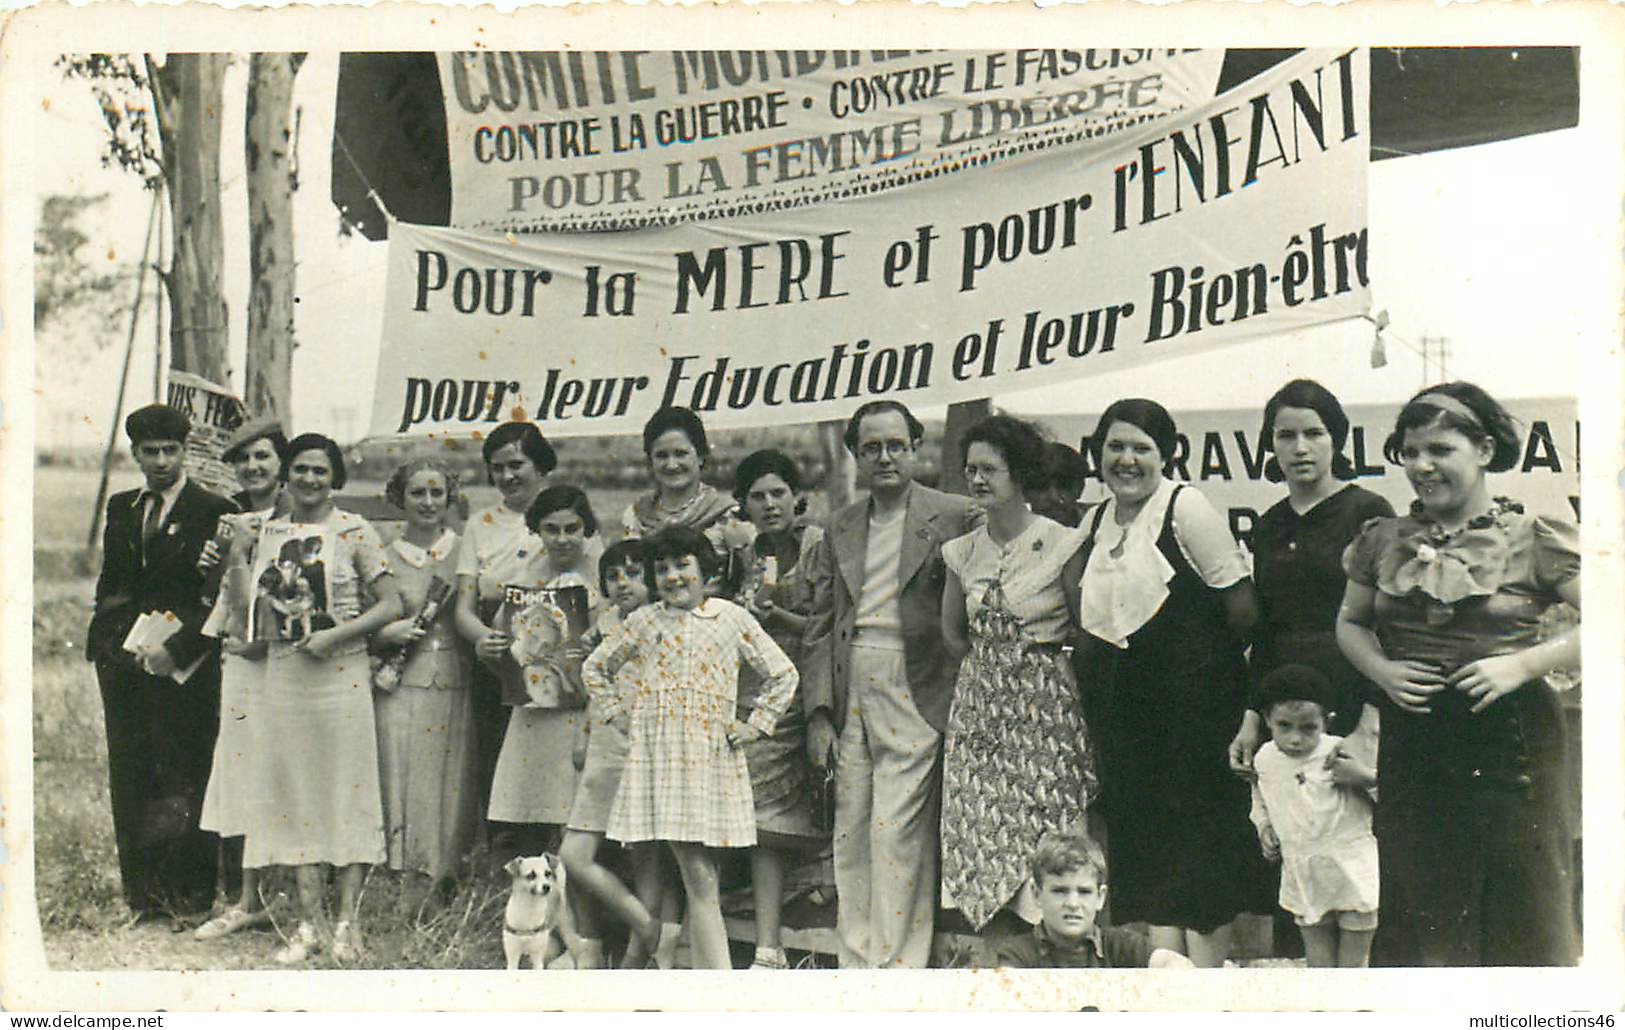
(160, 730)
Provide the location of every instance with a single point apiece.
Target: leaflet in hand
(152, 629)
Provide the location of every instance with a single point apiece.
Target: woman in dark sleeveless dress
(1166, 603)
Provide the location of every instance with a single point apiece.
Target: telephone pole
(1435, 350)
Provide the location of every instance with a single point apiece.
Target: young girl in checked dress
(685, 781)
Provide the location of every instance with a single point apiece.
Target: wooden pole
(158, 318)
(961, 416)
(123, 380)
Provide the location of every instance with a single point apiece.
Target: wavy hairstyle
(1018, 443)
(1468, 410)
(561, 498)
(532, 444)
(684, 421)
(395, 488)
(678, 542)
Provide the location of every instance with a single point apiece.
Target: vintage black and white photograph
(815, 513)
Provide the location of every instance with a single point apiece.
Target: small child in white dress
(1313, 814)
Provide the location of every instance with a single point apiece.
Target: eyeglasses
(891, 448)
(986, 472)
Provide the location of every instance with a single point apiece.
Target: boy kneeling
(1069, 877)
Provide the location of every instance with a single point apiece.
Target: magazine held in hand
(542, 668)
(288, 598)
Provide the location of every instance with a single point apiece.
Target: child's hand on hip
(742, 733)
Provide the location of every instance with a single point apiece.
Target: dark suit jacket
(166, 578)
(932, 518)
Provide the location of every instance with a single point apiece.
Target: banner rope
(372, 193)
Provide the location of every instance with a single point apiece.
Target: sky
(1475, 245)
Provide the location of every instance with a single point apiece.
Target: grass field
(84, 920)
(81, 912)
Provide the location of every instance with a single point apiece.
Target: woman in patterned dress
(778, 592)
(1016, 760)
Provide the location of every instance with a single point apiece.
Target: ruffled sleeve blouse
(1453, 598)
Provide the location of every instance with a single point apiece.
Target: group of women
(1439, 610)
(333, 758)
(1104, 681)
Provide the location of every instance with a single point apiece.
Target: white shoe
(769, 958)
(347, 945)
(304, 943)
(230, 921)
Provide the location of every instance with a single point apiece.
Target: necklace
(1437, 534)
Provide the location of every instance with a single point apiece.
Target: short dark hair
(315, 442)
(1059, 853)
(678, 542)
(1311, 396)
(1017, 442)
(916, 428)
(532, 444)
(1145, 415)
(1295, 683)
(560, 498)
(620, 553)
(1068, 472)
(157, 422)
(681, 419)
(1484, 419)
(395, 488)
(763, 463)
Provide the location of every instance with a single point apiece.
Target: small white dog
(537, 922)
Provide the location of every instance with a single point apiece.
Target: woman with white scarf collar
(1166, 603)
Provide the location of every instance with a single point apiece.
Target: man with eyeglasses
(876, 683)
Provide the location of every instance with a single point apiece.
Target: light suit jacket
(932, 517)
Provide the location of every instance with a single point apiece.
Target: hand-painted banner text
(1243, 217)
(631, 138)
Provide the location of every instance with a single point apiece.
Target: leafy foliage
(67, 286)
(120, 86)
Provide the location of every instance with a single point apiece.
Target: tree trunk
(268, 151)
(187, 99)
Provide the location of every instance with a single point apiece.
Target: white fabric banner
(1239, 218)
(632, 138)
